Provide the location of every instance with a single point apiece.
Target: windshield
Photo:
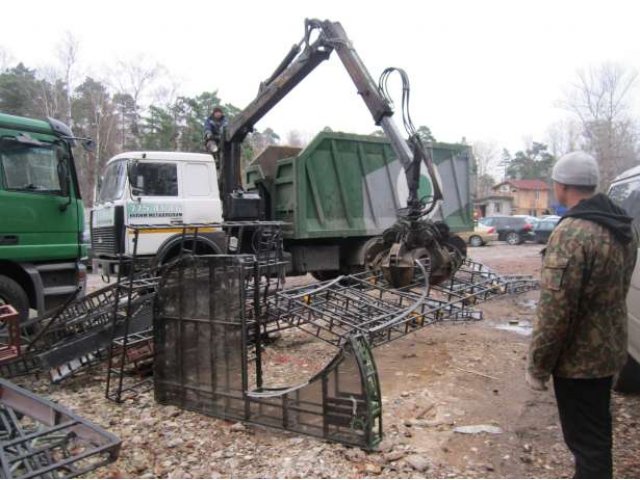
(31, 168)
(113, 182)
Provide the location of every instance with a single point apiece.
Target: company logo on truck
(154, 210)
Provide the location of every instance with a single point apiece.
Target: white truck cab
(153, 189)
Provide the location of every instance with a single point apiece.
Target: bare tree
(67, 51)
(6, 59)
(136, 76)
(564, 136)
(295, 139)
(600, 99)
(486, 155)
(134, 79)
(55, 99)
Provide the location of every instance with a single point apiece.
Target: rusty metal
(10, 326)
(40, 439)
(208, 332)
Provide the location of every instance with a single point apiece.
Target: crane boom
(409, 235)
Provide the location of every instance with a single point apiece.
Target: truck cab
(42, 225)
(153, 189)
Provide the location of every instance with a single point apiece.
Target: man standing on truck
(213, 131)
(213, 126)
(580, 335)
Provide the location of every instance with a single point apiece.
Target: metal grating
(201, 333)
(39, 439)
(366, 305)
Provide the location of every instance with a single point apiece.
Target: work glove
(212, 147)
(536, 383)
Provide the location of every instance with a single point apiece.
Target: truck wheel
(324, 275)
(12, 293)
(475, 241)
(628, 380)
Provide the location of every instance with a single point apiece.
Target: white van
(153, 189)
(625, 191)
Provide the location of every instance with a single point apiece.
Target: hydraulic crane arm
(303, 58)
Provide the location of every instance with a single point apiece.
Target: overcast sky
(484, 70)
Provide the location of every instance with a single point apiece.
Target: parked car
(529, 218)
(514, 230)
(481, 235)
(625, 191)
(543, 229)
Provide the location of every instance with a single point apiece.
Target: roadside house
(528, 197)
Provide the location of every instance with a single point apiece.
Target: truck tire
(13, 294)
(324, 275)
(628, 380)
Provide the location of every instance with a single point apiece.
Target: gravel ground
(442, 377)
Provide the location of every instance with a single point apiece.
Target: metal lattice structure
(208, 324)
(212, 313)
(202, 328)
(366, 305)
(39, 439)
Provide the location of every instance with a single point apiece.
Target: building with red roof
(517, 197)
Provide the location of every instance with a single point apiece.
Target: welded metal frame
(354, 313)
(39, 439)
(214, 376)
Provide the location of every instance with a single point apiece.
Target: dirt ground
(442, 377)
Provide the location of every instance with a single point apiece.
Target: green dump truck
(42, 215)
(343, 190)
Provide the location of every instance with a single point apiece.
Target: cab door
(200, 193)
(155, 201)
(39, 221)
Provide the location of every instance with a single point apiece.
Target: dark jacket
(213, 128)
(581, 320)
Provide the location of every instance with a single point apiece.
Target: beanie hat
(576, 168)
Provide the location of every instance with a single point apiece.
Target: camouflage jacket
(581, 320)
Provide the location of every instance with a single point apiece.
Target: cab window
(152, 179)
(29, 168)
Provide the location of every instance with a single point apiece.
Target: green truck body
(42, 215)
(344, 189)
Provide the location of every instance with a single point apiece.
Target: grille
(104, 241)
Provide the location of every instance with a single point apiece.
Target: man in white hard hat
(580, 335)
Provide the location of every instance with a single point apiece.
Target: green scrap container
(345, 185)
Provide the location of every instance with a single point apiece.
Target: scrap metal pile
(204, 335)
(210, 323)
(39, 439)
(365, 304)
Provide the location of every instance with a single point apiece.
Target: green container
(345, 185)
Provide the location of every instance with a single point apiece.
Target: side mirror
(63, 171)
(63, 176)
(136, 182)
